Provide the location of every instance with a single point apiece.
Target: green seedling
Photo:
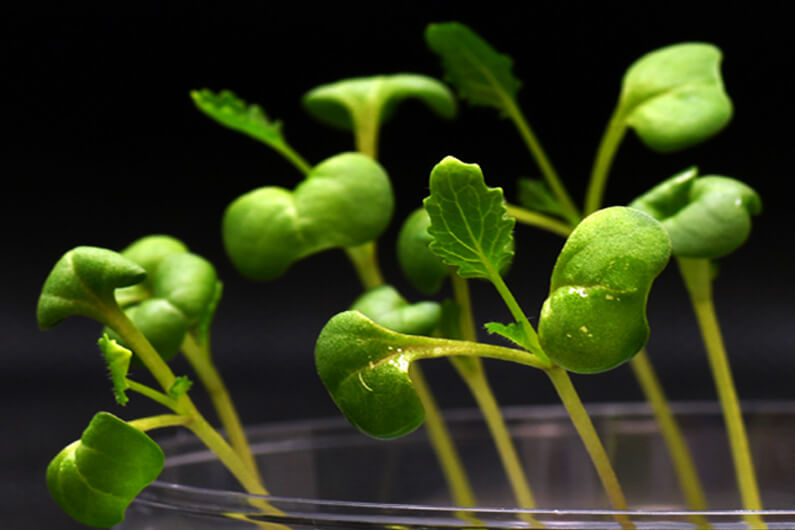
(156, 300)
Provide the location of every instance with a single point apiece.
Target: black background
(102, 145)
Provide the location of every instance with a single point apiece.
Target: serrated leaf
(481, 74)
(707, 217)
(674, 97)
(534, 195)
(233, 112)
(82, 282)
(595, 316)
(349, 103)
(513, 332)
(118, 361)
(386, 307)
(180, 387)
(470, 227)
(95, 478)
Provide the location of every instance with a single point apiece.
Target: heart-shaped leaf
(425, 270)
(147, 252)
(674, 97)
(349, 103)
(82, 282)
(595, 316)
(163, 325)
(707, 217)
(386, 307)
(95, 478)
(345, 201)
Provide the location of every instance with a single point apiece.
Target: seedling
(156, 299)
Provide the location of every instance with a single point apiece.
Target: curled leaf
(595, 316)
(118, 360)
(95, 478)
(674, 97)
(425, 270)
(345, 201)
(82, 282)
(346, 104)
(707, 217)
(386, 307)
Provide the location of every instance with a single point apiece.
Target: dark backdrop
(103, 145)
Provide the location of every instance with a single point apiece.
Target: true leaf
(345, 201)
(674, 97)
(481, 74)
(232, 112)
(180, 387)
(513, 332)
(470, 226)
(347, 103)
(424, 269)
(595, 316)
(385, 306)
(118, 361)
(535, 195)
(82, 282)
(95, 478)
(707, 217)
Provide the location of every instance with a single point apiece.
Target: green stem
(528, 217)
(294, 158)
(697, 277)
(582, 423)
(366, 134)
(199, 357)
(158, 422)
(681, 457)
(519, 316)
(616, 128)
(365, 260)
(155, 395)
(550, 175)
(442, 443)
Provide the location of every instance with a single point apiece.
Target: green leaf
(481, 74)
(203, 327)
(181, 386)
(118, 360)
(424, 269)
(147, 252)
(595, 316)
(535, 195)
(513, 332)
(163, 325)
(470, 226)
(188, 282)
(349, 103)
(82, 283)
(450, 322)
(95, 478)
(345, 201)
(674, 97)
(706, 217)
(234, 113)
(386, 307)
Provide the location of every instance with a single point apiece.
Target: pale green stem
(550, 175)
(616, 128)
(365, 260)
(159, 422)
(697, 277)
(681, 457)
(155, 395)
(294, 158)
(528, 217)
(366, 134)
(442, 442)
(582, 423)
(200, 359)
(518, 315)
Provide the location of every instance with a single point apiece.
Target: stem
(582, 423)
(681, 457)
(158, 422)
(155, 395)
(616, 128)
(442, 443)
(198, 355)
(365, 260)
(518, 315)
(529, 217)
(550, 175)
(294, 158)
(366, 134)
(697, 277)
